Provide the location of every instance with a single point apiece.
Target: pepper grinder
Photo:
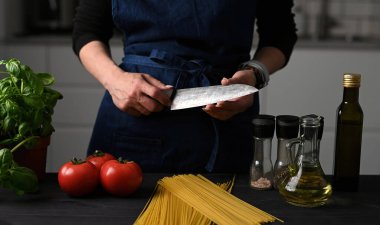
(261, 173)
(287, 127)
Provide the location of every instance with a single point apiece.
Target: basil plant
(27, 103)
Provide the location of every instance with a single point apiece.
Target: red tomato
(121, 177)
(98, 158)
(78, 178)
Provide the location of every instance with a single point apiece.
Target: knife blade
(200, 96)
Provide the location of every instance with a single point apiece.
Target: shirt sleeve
(92, 21)
(276, 26)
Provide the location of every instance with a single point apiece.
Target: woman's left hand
(227, 109)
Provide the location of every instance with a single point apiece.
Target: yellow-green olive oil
(306, 188)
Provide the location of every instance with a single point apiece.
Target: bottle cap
(351, 80)
(287, 126)
(321, 123)
(263, 126)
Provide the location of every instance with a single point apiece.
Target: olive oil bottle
(348, 139)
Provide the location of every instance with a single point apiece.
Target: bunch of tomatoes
(118, 177)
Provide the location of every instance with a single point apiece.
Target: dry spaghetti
(193, 199)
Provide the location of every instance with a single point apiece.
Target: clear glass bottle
(261, 173)
(287, 127)
(348, 139)
(305, 183)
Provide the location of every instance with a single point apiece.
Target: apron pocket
(146, 152)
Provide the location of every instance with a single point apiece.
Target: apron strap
(167, 58)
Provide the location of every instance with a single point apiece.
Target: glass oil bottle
(348, 139)
(305, 184)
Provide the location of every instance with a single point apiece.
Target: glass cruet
(305, 183)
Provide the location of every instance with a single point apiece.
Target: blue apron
(183, 43)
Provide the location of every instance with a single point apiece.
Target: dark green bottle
(348, 140)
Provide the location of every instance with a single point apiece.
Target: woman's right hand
(138, 93)
(134, 93)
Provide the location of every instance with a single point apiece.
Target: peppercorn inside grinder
(261, 172)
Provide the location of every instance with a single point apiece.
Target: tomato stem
(76, 161)
(98, 153)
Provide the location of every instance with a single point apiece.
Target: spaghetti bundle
(193, 199)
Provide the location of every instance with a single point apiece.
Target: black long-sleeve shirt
(274, 18)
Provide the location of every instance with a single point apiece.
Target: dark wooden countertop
(51, 206)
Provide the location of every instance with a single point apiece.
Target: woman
(180, 44)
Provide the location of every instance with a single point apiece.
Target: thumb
(225, 81)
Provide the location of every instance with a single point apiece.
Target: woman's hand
(138, 93)
(134, 93)
(227, 109)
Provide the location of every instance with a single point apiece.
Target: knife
(200, 96)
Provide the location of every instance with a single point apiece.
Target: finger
(141, 109)
(156, 90)
(231, 105)
(150, 104)
(225, 81)
(224, 106)
(242, 77)
(153, 81)
(218, 114)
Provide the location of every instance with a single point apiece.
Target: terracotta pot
(34, 158)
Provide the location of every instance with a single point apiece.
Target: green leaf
(46, 78)
(11, 107)
(33, 101)
(37, 118)
(24, 128)
(17, 138)
(27, 90)
(3, 112)
(6, 159)
(13, 66)
(8, 124)
(7, 90)
(47, 129)
(23, 180)
(6, 142)
(36, 85)
(53, 93)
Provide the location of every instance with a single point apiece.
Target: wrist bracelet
(262, 75)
